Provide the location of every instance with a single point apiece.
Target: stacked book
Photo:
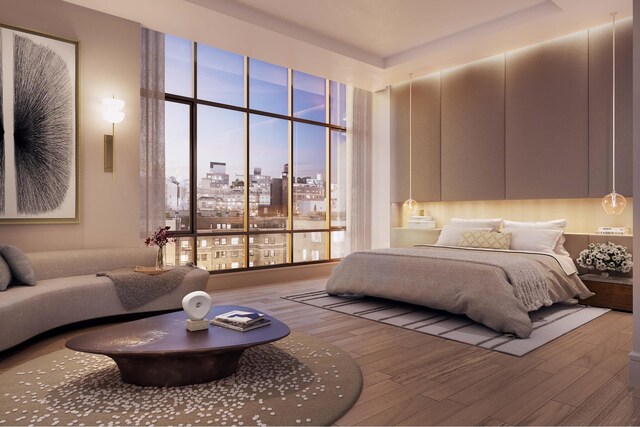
(422, 222)
(241, 320)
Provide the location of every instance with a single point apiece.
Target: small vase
(604, 274)
(160, 258)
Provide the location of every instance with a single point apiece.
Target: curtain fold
(152, 174)
(359, 145)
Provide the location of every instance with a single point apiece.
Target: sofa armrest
(195, 280)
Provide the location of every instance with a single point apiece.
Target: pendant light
(614, 203)
(410, 204)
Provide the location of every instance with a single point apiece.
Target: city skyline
(269, 142)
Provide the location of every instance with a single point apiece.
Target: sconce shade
(112, 110)
(113, 116)
(113, 104)
(614, 203)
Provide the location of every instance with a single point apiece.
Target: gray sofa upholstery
(67, 291)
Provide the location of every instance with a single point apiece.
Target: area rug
(549, 323)
(300, 380)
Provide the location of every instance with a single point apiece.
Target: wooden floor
(416, 379)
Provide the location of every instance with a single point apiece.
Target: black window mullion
(289, 231)
(327, 179)
(247, 157)
(290, 170)
(194, 156)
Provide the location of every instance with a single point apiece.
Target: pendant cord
(410, 132)
(113, 151)
(613, 104)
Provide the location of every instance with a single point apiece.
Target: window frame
(246, 232)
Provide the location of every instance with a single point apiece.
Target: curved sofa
(68, 291)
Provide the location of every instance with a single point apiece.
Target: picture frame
(39, 117)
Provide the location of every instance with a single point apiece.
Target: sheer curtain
(359, 112)
(152, 176)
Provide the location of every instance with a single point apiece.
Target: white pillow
(493, 223)
(555, 224)
(534, 239)
(450, 234)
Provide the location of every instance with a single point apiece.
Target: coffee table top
(167, 334)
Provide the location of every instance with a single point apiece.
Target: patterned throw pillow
(485, 239)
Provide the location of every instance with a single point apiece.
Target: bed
(494, 287)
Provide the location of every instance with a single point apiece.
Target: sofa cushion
(5, 274)
(19, 264)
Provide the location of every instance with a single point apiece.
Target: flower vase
(160, 258)
(604, 274)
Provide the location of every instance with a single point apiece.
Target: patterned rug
(300, 380)
(549, 323)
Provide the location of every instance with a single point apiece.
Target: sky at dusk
(221, 132)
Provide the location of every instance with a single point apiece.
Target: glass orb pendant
(613, 203)
(410, 205)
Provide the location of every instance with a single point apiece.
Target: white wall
(634, 356)
(381, 167)
(109, 62)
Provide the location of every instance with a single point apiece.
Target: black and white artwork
(38, 145)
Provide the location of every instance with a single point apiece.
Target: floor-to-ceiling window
(255, 161)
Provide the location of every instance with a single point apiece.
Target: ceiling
(374, 31)
(368, 43)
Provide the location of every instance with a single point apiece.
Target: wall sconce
(112, 113)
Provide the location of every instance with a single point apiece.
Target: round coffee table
(159, 351)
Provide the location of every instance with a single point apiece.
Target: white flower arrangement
(605, 257)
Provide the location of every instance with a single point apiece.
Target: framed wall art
(38, 128)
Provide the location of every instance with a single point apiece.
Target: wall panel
(600, 114)
(473, 131)
(547, 115)
(426, 140)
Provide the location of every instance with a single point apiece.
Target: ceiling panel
(367, 43)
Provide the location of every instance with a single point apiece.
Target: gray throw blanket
(529, 284)
(135, 289)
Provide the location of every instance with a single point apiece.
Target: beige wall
(109, 62)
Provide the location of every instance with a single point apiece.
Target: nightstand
(610, 292)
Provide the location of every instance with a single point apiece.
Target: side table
(610, 292)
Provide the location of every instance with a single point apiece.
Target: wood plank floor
(416, 379)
